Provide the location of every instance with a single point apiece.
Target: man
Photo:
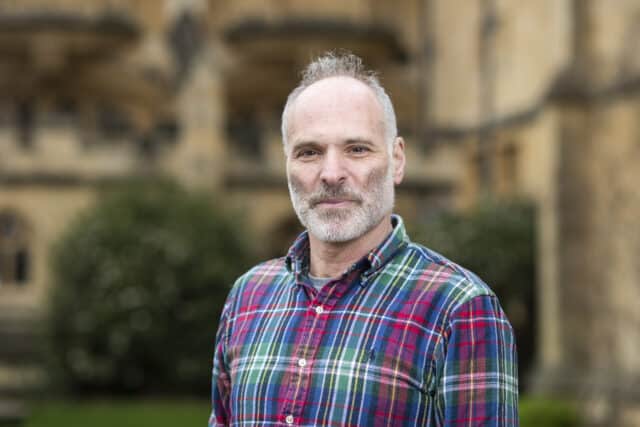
(357, 325)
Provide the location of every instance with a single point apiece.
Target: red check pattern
(404, 338)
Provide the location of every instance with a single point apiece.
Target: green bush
(140, 279)
(495, 240)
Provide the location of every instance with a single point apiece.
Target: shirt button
(319, 309)
(289, 419)
(302, 363)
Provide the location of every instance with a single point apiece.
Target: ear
(399, 160)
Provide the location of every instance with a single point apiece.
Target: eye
(306, 153)
(359, 149)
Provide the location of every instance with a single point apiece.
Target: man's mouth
(334, 203)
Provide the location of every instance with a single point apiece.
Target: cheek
(302, 176)
(297, 183)
(377, 177)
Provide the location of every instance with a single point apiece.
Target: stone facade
(517, 98)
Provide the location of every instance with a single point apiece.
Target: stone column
(598, 209)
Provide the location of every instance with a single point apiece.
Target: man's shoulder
(430, 268)
(264, 271)
(263, 274)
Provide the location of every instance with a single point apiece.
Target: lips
(333, 202)
(331, 197)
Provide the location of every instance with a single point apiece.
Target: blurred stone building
(512, 97)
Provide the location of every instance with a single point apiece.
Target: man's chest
(371, 347)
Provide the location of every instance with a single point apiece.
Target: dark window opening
(6, 114)
(245, 134)
(113, 124)
(147, 146)
(508, 162)
(510, 156)
(25, 123)
(15, 258)
(63, 112)
(167, 131)
(22, 266)
(185, 39)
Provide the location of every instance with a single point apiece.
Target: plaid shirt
(405, 337)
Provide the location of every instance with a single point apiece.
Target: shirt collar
(297, 260)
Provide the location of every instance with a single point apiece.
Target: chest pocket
(396, 363)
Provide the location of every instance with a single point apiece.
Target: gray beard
(336, 225)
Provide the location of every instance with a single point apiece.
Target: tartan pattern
(404, 338)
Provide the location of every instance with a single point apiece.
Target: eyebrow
(354, 140)
(313, 143)
(358, 141)
(309, 143)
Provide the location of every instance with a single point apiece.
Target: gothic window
(6, 115)
(62, 111)
(25, 117)
(245, 134)
(15, 259)
(112, 123)
(509, 167)
(185, 39)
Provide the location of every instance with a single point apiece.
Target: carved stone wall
(536, 99)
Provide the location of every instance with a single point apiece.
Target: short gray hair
(343, 64)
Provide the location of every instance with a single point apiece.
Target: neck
(331, 259)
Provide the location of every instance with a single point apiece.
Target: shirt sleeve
(221, 381)
(479, 385)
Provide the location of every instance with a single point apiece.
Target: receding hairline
(343, 63)
(298, 92)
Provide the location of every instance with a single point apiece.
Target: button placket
(306, 353)
(309, 343)
(299, 379)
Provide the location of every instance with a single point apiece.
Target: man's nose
(333, 169)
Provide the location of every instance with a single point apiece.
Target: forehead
(336, 105)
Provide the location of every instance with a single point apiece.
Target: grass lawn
(119, 413)
(160, 413)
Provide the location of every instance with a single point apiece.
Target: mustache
(332, 193)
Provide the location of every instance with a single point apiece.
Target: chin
(334, 237)
(340, 229)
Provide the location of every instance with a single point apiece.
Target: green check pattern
(405, 337)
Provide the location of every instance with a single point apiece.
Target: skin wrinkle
(372, 204)
(340, 173)
(350, 67)
(346, 355)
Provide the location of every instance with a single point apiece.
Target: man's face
(340, 171)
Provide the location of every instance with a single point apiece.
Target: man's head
(343, 156)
